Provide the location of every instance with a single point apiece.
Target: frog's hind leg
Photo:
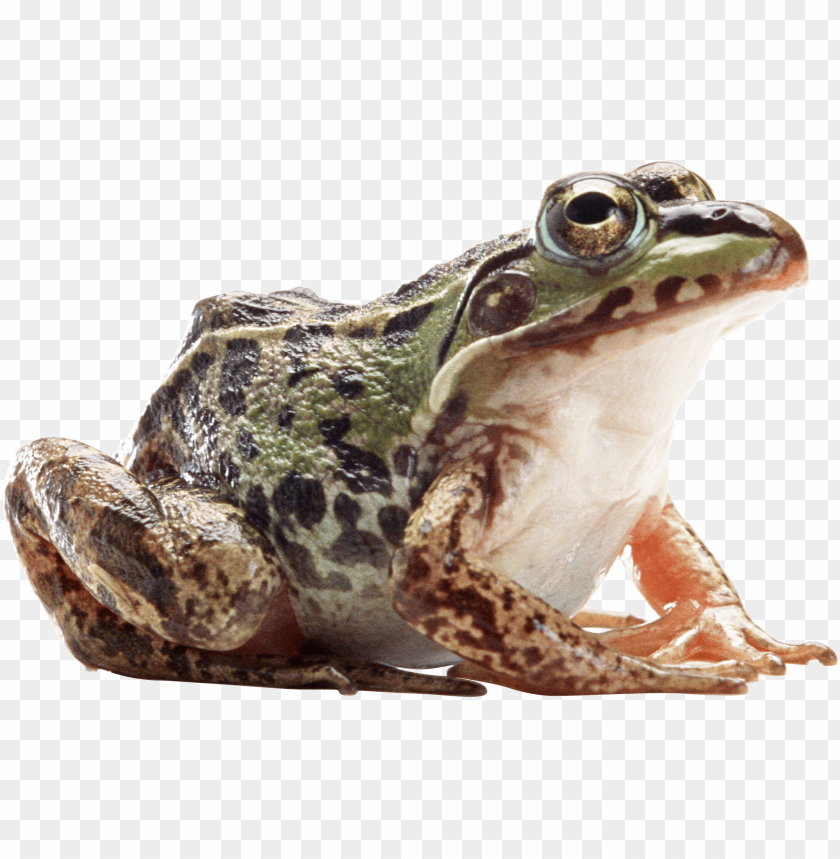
(606, 619)
(167, 582)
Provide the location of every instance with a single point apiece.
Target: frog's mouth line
(779, 269)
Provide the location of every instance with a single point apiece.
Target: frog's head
(651, 251)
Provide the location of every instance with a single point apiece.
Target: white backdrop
(161, 153)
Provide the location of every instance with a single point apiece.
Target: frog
(325, 495)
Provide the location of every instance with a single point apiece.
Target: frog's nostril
(591, 207)
(718, 213)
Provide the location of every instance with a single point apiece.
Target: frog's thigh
(177, 562)
(177, 575)
(508, 634)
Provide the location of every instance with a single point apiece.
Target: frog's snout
(783, 266)
(792, 249)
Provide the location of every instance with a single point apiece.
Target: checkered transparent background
(152, 154)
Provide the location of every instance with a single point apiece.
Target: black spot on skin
(228, 469)
(164, 401)
(666, 291)
(302, 340)
(116, 541)
(185, 386)
(179, 401)
(302, 496)
(334, 311)
(362, 332)
(247, 446)
(400, 327)
(405, 460)
(116, 637)
(355, 546)
(451, 416)
(531, 656)
(508, 600)
(201, 361)
(239, 367)
(359, 547)
(346, 510)
(149, 423)
(177, 659)
(416, 567)
(184, 383)
(334, 429)
(362, 470)
(297, 374)
(348, 382)
(285, 417)
(392, 521)
(468, 602)
(306, 573)
(279, 531)
(609, 304)
(256, 508)
(710, 283)
(418, 488)
(483, 641)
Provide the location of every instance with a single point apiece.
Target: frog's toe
(821, 652)
(719, 659)
(338, 680)
(727, 668)
(773, 652)
(695, 679)
(768, 663)
(374, 677)
(606, 619)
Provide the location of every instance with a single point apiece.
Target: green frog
(324, 495)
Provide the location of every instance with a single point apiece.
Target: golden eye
(590, 218)
(503, 302)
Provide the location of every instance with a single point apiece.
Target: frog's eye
(502, 302)
(591, 219)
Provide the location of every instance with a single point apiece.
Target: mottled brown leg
(702, 617)
(444, 590)
(164, 582)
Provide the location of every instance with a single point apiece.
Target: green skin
(304, 501)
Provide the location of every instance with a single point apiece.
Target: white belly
(597, 459)
(578, 521)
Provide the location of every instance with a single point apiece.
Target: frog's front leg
(702, 617)
(444, 589)
(167, 582)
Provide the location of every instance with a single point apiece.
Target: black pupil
(590, 208)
